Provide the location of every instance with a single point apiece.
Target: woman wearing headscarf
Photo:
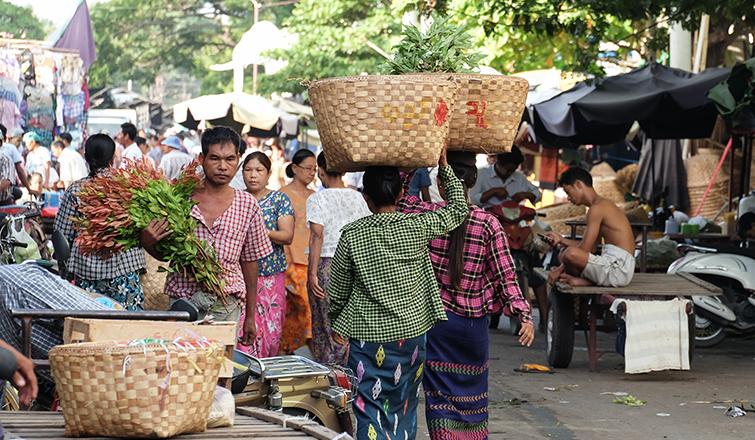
(384, 298)
(476, 276)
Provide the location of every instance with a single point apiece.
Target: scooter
(733, 270)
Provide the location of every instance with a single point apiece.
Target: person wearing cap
(501, 182)
(174, 160)
(10, 151)
(39, 159)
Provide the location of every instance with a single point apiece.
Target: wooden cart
(579, 308)
(251, 423)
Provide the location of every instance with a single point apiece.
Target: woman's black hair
(99, 150)
(382, 185)
(322, 163)
(298, 158)
(457, 238)
(259, 157)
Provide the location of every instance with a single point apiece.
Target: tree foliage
(20, 22)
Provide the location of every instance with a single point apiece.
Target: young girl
(476, 276)
(384, 298)
(271, 283)
(297, 329)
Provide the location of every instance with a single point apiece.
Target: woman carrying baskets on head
(297, 328)
(278, 214)
(476, 276)
(384, 298)
(328, 211)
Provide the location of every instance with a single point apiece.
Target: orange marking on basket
(441, 112)
(477, 109)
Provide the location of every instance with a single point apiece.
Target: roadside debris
(533, 368)
(614, 393)
(735, 411)
(629, 401)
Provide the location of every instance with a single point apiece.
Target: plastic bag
(222, 410)
(31, 251)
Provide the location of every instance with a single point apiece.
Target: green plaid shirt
(382, 286)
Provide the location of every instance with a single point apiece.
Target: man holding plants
(231, 222)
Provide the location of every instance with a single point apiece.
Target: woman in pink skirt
(271, 284)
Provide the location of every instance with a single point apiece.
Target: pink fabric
(271, 311)
(238, 235)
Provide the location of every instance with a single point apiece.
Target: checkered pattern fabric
(239, 235)
(488, 281)
(382, 285)
(92, 267)
(7, 172)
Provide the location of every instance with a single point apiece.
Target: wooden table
(251, 423)
(562, 321)
(644, 226)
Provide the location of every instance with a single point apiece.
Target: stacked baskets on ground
(700, 169)
(136, 390)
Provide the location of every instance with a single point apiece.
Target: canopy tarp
(668, 104)
(234, 110)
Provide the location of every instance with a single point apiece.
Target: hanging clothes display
(10, 95)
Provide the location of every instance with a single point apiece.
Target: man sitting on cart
(579, 266)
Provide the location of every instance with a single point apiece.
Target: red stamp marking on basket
(441, 112)
(477, 109)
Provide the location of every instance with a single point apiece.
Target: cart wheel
(560, 332)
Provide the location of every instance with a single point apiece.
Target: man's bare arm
(592, 232)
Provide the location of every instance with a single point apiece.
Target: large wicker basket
(487, 113)
(371, 120)
(149, 390)
(153, 285)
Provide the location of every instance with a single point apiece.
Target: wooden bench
(593, 301)
(254, 423)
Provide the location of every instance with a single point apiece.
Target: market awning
(234, 110)
(668, 104)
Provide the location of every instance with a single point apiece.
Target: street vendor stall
(42, 89)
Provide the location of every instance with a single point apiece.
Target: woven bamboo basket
(487, 113)
(150, 390)
(399, 120)
(626, 176)
(153, 284)
(561, 211)
(606, 187)
(602, 170)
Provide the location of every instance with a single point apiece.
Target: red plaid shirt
(239, 235)
(488, 282)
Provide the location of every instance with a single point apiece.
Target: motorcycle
(296, 386)
(733, 270)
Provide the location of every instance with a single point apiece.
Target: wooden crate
(102, 330)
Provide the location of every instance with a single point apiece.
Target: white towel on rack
(657, 335)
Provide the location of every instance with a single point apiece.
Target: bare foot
(554, 274)
(574, 281)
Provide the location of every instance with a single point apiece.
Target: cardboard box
(102, 330)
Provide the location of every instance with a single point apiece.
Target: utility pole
(257, 7)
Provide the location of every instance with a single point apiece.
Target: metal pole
(652, 173)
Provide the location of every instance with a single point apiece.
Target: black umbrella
(668, 104)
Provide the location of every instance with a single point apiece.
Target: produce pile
(118, 204)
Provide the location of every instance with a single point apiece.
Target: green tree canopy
(20, 22)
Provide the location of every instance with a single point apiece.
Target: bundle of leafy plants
(117, 205)
(443, 47)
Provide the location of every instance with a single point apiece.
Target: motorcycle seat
(732, 249)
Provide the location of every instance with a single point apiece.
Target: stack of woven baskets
(406, 120)
(146, 388)
(700, 169)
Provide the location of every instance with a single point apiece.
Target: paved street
(577, 410)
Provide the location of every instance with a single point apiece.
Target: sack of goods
(398, 120)
(145, 388)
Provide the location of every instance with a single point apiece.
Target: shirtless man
(579, 267)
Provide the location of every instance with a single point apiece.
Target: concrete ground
(680, 404)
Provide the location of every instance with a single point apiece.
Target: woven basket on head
(153, 390)
(399, 120)
(487, 113)
(153, 284)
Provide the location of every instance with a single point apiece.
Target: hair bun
(290, 171)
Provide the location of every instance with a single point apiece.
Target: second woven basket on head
(396, 120)
(156, 390)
